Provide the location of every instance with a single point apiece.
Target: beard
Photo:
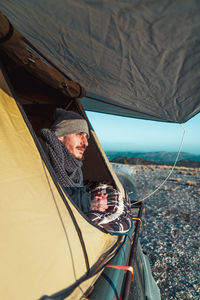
(83, 154)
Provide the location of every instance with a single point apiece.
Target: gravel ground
(170, 232)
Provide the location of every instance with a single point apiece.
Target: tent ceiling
(136, 58)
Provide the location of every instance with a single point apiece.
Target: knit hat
(68, 122)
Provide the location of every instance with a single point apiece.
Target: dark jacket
(80, 197)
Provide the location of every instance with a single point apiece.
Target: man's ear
(61, 138)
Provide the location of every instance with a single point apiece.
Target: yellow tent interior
(47, 244)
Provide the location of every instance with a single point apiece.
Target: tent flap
(141, 57)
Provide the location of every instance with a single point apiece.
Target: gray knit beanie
(68, 122)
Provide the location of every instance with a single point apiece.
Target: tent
(130, 58)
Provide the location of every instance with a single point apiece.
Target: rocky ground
(170, 234)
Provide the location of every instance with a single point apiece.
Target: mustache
(81, 147)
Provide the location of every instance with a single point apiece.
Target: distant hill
(134, 161)
(160, 156)
(156, 158)
(188, 163)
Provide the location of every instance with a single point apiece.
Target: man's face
(76, 143)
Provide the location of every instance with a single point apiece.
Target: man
(66, 143)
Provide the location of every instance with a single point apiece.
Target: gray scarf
(65, 165)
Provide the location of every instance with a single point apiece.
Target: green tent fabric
(135, 58)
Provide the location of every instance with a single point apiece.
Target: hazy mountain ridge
(160, 157)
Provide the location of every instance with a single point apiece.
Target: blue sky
(128, 134)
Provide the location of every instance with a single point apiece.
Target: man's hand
(99, 202)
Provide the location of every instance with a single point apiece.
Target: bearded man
(65, 145)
